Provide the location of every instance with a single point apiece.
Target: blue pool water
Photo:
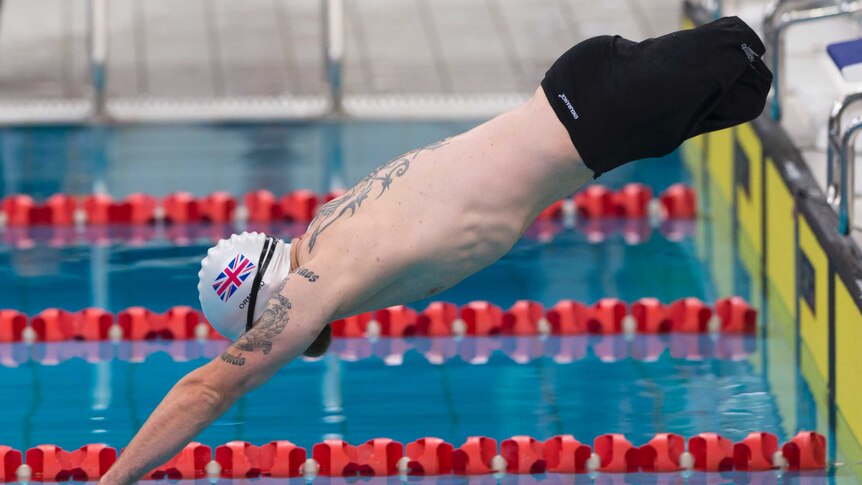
(71, 394)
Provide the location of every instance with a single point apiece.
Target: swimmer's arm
(285, 330)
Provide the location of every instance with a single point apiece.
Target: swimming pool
(70, 394)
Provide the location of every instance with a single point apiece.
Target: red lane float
(632, 201)
(58, 210)
(565, 454)
(553, 211)
(101, 209)
(806, 451)
(181, 208)
(17, 209)
(190, 462)
(299, 205)
(434, 457)
(336, 458)
(606, 316)
(662, 453)
(218, 207)
(436, 320)
(755, 452)
(262, 206)
(568, 317)
(595, 202)
(690, 315)
(736, 315)
(429, 456)
(142, 208)
(617, 454)
(651, 316)
(50, 463)
(55, 325)
(354, 326)
(282, 459)
(238, 459)
(679, 202)
(396, 321)
(10, 460)
(482, 318)
(474, 456)
(379, 457)
(523, 318)
(178, 323)
(712, 452)
(12, 324)
(523, 454)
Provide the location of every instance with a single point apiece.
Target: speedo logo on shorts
(568, 105)
(749, 53)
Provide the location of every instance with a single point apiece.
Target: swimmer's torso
(427, 219)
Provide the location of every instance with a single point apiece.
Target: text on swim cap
(245, 300)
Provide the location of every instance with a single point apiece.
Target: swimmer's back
(426, 220)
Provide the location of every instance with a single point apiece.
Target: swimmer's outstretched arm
(206, 393)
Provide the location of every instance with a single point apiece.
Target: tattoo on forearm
(271, 324)
(233, 359)
(381, 178)
(306, 273)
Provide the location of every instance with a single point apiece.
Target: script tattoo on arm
(271, 324)
(306, 273)
(379, 180)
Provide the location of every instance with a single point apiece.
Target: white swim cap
(228, 274)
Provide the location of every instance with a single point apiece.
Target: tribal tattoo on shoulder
(378, 181)
(271, 324)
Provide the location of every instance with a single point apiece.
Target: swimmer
(427, 219)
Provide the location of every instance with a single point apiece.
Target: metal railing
(333, 28)
(99, 105)
(98, 52)
(834, 149)
(102, 108)
(779, 16)
(846, 190)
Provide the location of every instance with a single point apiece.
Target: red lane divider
(634, 231)
(607, 316)
(191, 462)
(479, 455)
(662, 453)
(565, 454)
(633, 201)
(49, 463)
(806, 451)
(475, 456)
(429, 456)
(617, 454)
(240, 459)
(10, 461)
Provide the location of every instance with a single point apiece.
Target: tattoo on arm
(380, 179)
(306, 273)
(271, 324)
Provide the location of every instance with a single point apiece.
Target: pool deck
(221, 48)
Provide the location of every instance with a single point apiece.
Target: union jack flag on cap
(232, 277)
